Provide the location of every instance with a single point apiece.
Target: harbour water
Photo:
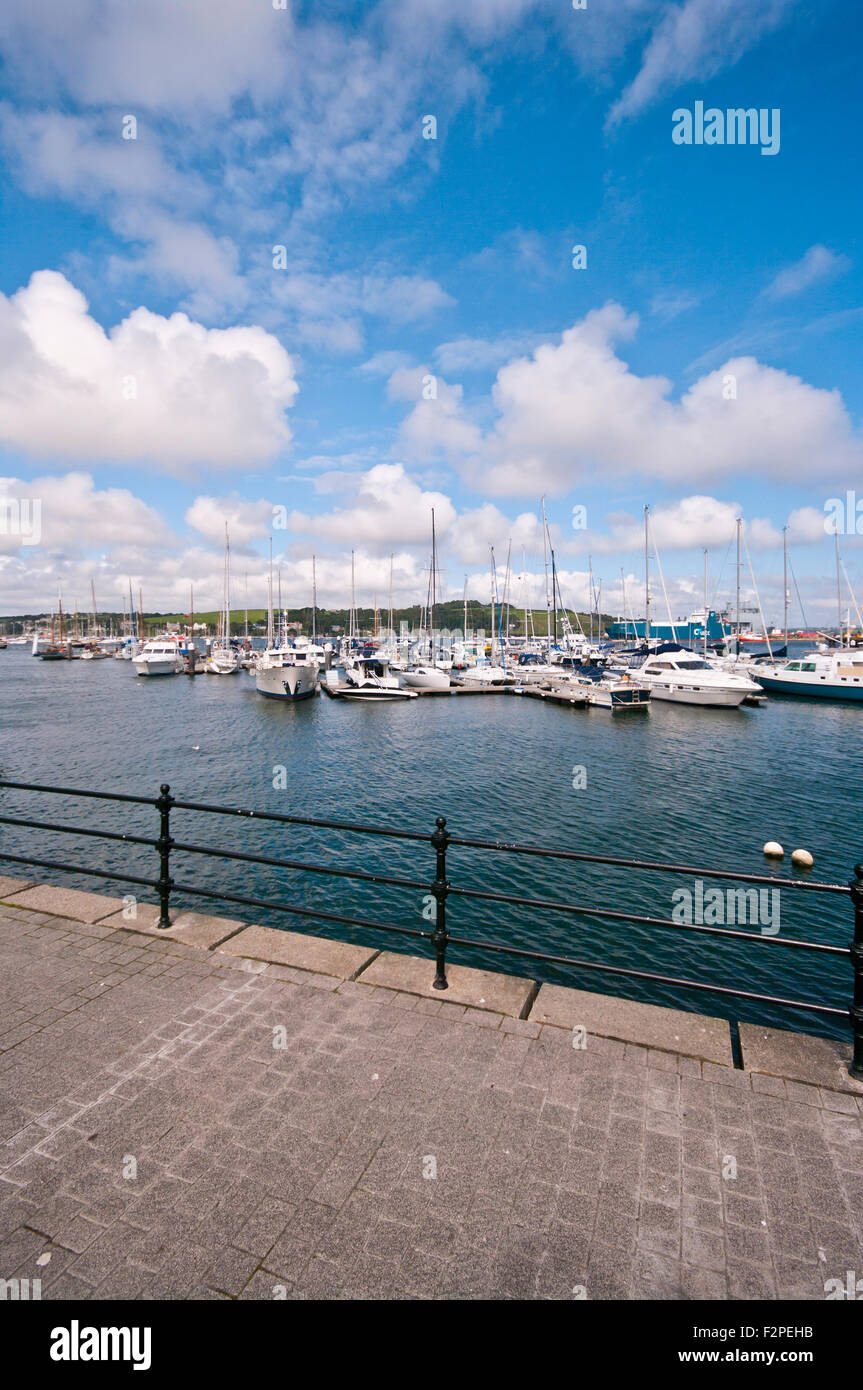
(684, 784)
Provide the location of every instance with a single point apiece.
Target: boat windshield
(692, 665)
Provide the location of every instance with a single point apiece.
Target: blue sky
(428, 341)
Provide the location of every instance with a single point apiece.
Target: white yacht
(284, 673)
(834, 675)
(367, 678)
(686, 678)
(425, 678)
(223, 660)
(160, 657)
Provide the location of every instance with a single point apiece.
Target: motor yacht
(160, 657)
(834, 675)
(676, 674)
(284, 673)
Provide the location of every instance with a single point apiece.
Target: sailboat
(284, 672)
(428, 676)
(834, 675)
(223, 659)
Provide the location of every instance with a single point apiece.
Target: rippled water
(704, 787)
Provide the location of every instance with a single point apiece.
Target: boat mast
(353, 616)
(739, 525)
(464, 600)
(246, 616)
(524, 581)
(838, 585)
(705, 602)
(391, 599)
(547, 596)
(590, 591)
(314, 604)
(432, 594)
(270, 633)
(646, 577)
(785, 580)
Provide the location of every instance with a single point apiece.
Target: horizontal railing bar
(77, 869)
(79, 830)
(616, 915)
(76, 791)
(296, 911)
(649, 975)
(358, 828)
(658, 865)
(298, 864)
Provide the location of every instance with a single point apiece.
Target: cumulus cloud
(76, 516)
(388, 508)
(574, 410)
(245, 520)
(168, 392)
(818, 264)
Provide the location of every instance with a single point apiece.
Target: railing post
(440, 887)
(856, 1010)
(164, 843)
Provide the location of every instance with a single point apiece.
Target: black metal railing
(440, 889)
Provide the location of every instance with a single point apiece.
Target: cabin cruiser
(424, 677)
(285, 673)
(368, 678)
(160, 657)
(682, 676)
(835, 675)
(485, 672)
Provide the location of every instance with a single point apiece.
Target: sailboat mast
(739, 523)
(547, 596)
(270, 633)
(590, 591)
(390, 621)
(705, 602)
(314, 603)
(785, 579)
(353, 598)
(646, 574)
(838, 584)
(432, 593)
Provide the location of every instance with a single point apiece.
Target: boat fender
(773, 850)
(802, 858)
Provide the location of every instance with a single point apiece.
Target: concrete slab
(692, 1035)
(314, 953)
(798, 1057)
(13, 885)
(194, 928)
(66, 902)
(480, 989)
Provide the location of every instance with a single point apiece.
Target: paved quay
(214, 1114)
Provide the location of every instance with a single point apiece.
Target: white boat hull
(425, 678)
(289, 682)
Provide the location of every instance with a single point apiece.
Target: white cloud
(819, 263)
(245, 519)
(388, 509)
(574, 411)
(76, 516)
(200, 396)
(696, 40)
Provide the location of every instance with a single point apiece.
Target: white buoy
(802, 858)
(774, 850)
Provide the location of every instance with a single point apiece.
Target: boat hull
(286, 682)
(813, 690)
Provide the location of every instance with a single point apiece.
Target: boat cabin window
(793, 666)
(692, 666)
(808, 666)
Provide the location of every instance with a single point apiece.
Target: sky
(316, 269)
